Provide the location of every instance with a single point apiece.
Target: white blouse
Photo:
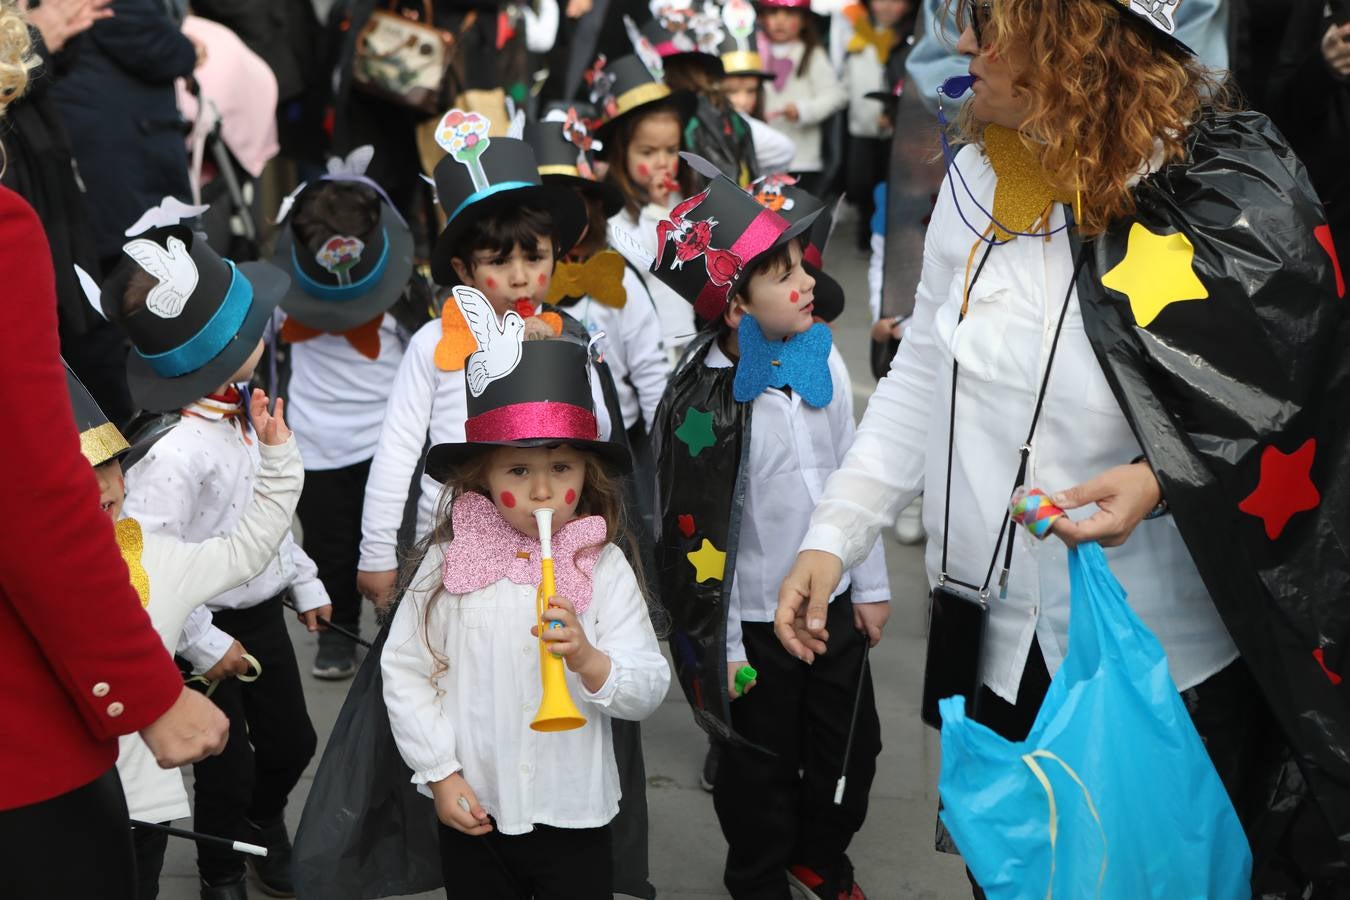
(676, 313)
(478, 719)
(1002, 346)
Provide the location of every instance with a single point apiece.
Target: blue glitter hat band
(340, 292)
(213, 337)
(478, 196)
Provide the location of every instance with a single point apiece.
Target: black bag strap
(1025, 450)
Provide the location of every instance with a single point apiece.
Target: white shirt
(864, 73)
(424, 404)
(184, 575)
(793, 449)
(336, 397)
(478, 722)
(818, 95)
(676, 313)
(632, 347)
(194, 484)
(773, 149)
(1002, 346)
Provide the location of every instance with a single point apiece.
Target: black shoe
(708, 777)
(233, 890)
(335, 660)
(273, 871)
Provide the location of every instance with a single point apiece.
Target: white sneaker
(909, 524)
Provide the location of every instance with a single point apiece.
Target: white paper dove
(288, 201)
(92, 293)
(354, 165)
(173, 268)
(170, 211)
(499, 343)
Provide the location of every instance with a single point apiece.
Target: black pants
(779, 810)
(868, 160)
(75, 845)
(271, 741)
(330, 513)
(546, 864)
(150, 847)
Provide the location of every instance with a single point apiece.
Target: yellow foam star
(708, 561)
(1157, 271)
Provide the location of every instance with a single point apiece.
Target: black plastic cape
(724, 139)
(1239, 393)
(700, 440)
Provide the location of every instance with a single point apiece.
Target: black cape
(724, 139)
(1241, 401)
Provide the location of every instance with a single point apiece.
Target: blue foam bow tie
(802, 362)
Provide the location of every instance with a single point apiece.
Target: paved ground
(893, 854)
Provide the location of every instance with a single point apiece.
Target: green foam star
(696, 431)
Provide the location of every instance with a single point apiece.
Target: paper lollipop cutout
(464, 135)
(499, 343)
(1032, 508)
(739, 18)
(172, 267)
(339, 254)
(170, 211)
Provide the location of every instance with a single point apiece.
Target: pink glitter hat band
(784, 4)
(532, 421)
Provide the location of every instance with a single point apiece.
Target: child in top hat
(762, 360)
(505, 230)
(642, 123)
(349, 253)
(173, 578)
(196, 321)
(743, 79)
(595, 284)
(805, 90)
(524, 800)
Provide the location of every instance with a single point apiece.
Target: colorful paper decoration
(1157, 271)
(708, 562)
(696, 431)
(1285, 489)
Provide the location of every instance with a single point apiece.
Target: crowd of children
(499, 433)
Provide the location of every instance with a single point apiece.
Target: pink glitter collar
(486, 549)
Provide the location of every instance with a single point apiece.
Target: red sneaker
(812, 882)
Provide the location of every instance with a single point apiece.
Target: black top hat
(781, 193)
(481, 175)
(544, 400)
(200, 322)
(100, 441)
(562, 150)
(351, 278)
(709, 241)
(686, 46)
(739, 48)
(626, 85)
(1159, 16)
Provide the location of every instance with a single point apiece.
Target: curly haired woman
(1116, 248)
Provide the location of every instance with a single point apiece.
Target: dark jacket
(118, 106)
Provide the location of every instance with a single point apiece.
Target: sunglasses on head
(975, 15)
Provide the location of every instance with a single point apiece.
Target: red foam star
(686, 523)
(1285, 489)
(1323, 235)
(1321, 661)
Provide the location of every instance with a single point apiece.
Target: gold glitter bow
(865, 34)
(600, 278)
(132, 544)
(1023, 195)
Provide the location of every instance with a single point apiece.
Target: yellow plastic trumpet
(556, 712)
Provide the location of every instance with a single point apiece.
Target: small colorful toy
(1032, 508)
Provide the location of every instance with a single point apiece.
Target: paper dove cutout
(499, 343)
(435, 197)
(625, 243)
(170, 211)
(173, 268)
(517, 127)
(92, 293)
(354, 165)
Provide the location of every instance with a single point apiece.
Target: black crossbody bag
(958, 616)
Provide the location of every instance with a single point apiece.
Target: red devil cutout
(693, 239)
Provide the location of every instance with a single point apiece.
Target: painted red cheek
(508, 499)
(491, 282)
(643, 171)
(571, 496)
(543, 279)
(794, 296)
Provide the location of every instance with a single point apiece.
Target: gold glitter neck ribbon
(132, 544)
(1023, 195)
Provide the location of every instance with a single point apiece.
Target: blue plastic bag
(1112, 794)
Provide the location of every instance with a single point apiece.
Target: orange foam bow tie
(364, 338)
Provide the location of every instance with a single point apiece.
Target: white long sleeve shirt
(675, 313)
(195, 483)
(425, 403)
(773, 149)
(184, 575)
(817, 95)
(1002, 346)
(478, 722)
(793, 449)
(632, 347)
(336, 398)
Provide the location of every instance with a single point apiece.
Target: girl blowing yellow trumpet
(519, 760)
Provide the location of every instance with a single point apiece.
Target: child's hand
(311, 618)
(536, 329)
(732, 668)
(377, 587)
(457, 806)
(271, 427)
(232, 663)
(870, 619)
(885, 328)
(790, 112)
(568, 641)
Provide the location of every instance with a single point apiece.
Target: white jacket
(817, 95)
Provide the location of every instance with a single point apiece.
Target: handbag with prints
(403, 59)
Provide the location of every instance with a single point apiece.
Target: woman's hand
(803, 601)
(1124, 496)
(568, 640)
(271, 427)
(457, 806)
(61, 20)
